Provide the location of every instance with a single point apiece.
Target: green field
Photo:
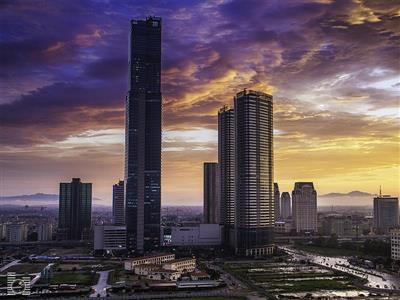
(290, 277)
(74, 278)
(210, 298)
(26, 268)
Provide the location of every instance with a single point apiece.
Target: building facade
(157, 259)
(143, 136)
(286, 207)
(109, 237)
(386, 213)
(304, 207)
(118, 204)
(226, 164)
(45, 232)
(201, 235)
(277, 200)
(254, 220)
(211, 207)
(181, 265)
(16, 232)
(395, 244)
(338, 225)
(75, 209)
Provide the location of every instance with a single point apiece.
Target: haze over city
(332, 67)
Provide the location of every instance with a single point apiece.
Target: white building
(181, 265)
(162, 274)
(45, 232)
(109, 237)
(395, 243)
(17, 232)
(158, 259)
(304, 207)
(201, 235)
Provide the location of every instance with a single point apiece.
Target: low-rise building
(144, 270)
(283, 227)
(181, 265)
(395, 244)
(199, 276)
(109, 237)
(157, 259)
(163, 274)
(198, 235)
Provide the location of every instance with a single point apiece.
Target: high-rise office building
(226, 164)
(395, 244)
(254, 173)
(45, 231)
(143, 136)
(75, 209)
(211, 207)
(118, 203)
(109, 237)
(277, 200)
(386, 213)
(286, 209)
(17, 232)
(304, 207)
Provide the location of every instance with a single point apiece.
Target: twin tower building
(243, 178)
(245, 155)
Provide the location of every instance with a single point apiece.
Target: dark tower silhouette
(226, 164)
(143, 136)
(74, 210)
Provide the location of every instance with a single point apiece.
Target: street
(101, 286)
(14, 262)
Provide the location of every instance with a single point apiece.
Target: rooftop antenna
(380, 191)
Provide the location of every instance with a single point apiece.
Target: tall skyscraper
(226, 164)
(304, 206)
(286, 209)
(118, 203)
(143, 136)
(210, 193)
(277, 200)
(75, 209)
(386, 213)
(254, 173)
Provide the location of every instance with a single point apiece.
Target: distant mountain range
(351, 198)
(38, 197)
(350, 194)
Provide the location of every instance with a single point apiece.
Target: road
(375, 279)
(13, 263)
(101, 286)
(231, 281)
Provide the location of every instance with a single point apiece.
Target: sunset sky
(332, 67)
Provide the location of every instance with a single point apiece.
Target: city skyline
(324, 90)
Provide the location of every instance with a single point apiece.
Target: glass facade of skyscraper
(143, 136)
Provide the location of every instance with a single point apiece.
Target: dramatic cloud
(332, 66)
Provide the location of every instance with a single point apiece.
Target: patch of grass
(210, 298)
(3, 281)
(74, 278)
(312, 285)
(26, 268)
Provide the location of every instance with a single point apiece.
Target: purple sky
(332, 66)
